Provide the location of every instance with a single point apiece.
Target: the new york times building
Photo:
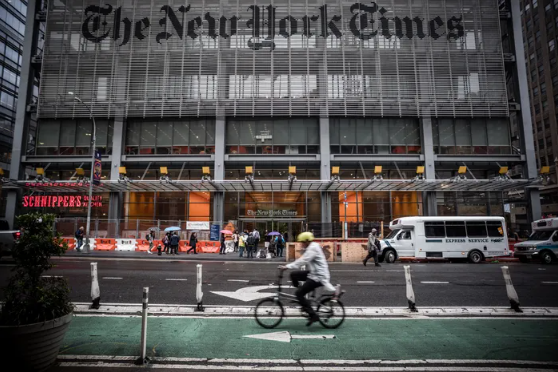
(346, 111)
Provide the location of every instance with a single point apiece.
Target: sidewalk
(181, 256)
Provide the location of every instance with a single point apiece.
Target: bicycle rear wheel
(331, 313)
(269, 313)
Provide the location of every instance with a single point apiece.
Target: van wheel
(524, 259)
(546, 257)
(475, 257)
(390, 256)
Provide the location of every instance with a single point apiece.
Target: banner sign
(97, 169)
(276, 58)
(60, 201)
(197, 225)
(268, 213)
(214, 234)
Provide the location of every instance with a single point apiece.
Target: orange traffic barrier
(143, 245)
(71, 242)
(105, 245)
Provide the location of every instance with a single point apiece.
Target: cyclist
(316, 276)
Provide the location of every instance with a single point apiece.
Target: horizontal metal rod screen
(170, 58)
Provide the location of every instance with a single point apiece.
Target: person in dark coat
(223, 246)
(174, 241)
(193, 243)
(372, 248)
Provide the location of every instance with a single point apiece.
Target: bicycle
(270, 311)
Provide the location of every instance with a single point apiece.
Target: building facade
(286, 115)
(540, 38)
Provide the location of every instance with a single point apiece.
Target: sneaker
(312, 321)
(337, 293)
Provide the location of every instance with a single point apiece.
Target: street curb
(83, 309)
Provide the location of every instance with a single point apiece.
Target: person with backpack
(79, 238)
(251, 244)
(373, 248)
(174, 240)
(280, 243)
(166, 243)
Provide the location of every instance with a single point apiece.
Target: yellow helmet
(305, 237)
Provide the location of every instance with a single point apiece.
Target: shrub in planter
(36, 310)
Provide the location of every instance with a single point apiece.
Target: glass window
(455, 229)
(49, 132)
(181, 134)
(495, 229)
(133, 134)
(148, 133)
(83, 133)
(476, 229)
(434, 230)
(478, 128)
(405, 235)
(298, 132)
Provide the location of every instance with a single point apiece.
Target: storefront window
(470, 204)
(471, 136)
(281, 136)
(375, 136)
(170, 137)
(73, 137)
(169, 206)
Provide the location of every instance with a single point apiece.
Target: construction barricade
(143, 245)
(105, 244)
(71, 242)
(126, 245)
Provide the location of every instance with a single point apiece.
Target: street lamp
(86, 246)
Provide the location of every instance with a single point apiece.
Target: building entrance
(289, 228)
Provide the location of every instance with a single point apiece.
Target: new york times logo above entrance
(367, 21)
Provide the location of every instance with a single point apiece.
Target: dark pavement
(435, 284)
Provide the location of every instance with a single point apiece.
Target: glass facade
(73, 137)
(276, 136)
(150, 137)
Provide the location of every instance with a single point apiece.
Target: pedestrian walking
(280, 245)
(251, 245)
(373, 247)
(223, 246)
(193, 243)
(150, 238)
(235, 240)
(174, 241)
(241, 245)
(166, 243)
(79, 238)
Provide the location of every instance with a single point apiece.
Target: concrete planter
(33, 347)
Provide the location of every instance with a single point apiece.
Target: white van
(474, 238)
(542, 243)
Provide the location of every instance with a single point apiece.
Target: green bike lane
(356, 339)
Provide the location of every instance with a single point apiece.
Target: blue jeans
(280, 251)
(79, 244)
(240, 251)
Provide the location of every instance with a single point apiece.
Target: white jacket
(316, 263)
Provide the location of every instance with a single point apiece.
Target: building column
(24, 98)
(115, 198)
(325, 168)
(429, 203)
(525, 123)
(219, 170)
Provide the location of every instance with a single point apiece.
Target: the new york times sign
(367, 21)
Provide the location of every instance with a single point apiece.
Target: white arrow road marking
(248, 294)
(285, 336)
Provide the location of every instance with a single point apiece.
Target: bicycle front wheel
(269, 313)
(331, 313)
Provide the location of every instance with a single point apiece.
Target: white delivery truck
(542, 243)
(473, 238)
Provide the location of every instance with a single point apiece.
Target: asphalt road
(435, 284)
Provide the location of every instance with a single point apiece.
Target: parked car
(8, 238)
